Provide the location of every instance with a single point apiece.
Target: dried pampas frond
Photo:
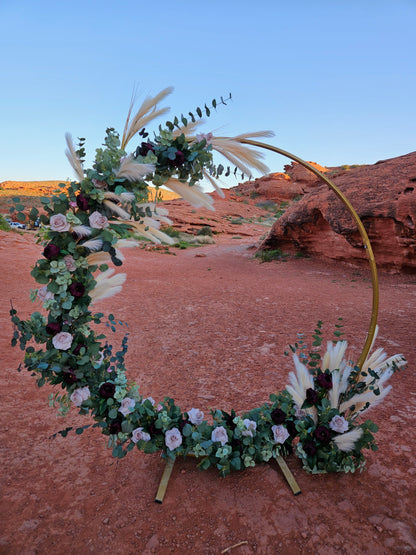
(126, 243)
(334, 357)
(133, 171)
(345, 442)
(187, 130)
(213, 183)
(107, 285)
(194, 195)
(81, 230)
(241, 156)
(116, 209)
(360, 401)
(93, 244)
(73, 158)
(299, 383)
(97, 258)
(152, 233)
(146, 113)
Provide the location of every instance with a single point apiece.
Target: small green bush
(4, 226)
(205, 230)
(268, 256)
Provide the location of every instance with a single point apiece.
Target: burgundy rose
(82, 202)
(182, 424)
(69, 376)
(51, 251)
(278, 416)
(153, 430)
(236, 443)
(107, 390)
(144, 148)
(76, 289)
(291, 428)
(322, 434)
(179, 159)
(311, 396)
(309, 447)
(78, 348)
(115, 427)
(324, 380)
(53, 328)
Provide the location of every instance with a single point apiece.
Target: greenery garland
(82, 228)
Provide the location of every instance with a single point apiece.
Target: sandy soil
(208, 327)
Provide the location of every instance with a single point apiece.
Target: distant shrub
(171, 231)
(268, 256)
(4, 226)
(205, 230)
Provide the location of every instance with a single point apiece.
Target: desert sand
(208, 327)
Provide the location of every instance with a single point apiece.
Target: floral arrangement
(83, 228)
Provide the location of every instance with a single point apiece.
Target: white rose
(173, 438)
(98, 220)
(138, 434)
(59, 223)
(196, 416)
(339, 424)
(127, 406)
(70, 263)
(62, 340)
(219, 434)
(280, 434)
(44, 294)
(79, 395)
(250, 426)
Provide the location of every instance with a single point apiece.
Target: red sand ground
(209, 331)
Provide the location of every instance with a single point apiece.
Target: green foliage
(273, 254)
(4, 226)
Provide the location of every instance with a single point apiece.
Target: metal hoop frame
(361, 229)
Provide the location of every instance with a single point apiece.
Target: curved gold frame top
(361, 229)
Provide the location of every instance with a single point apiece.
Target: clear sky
(334, 79)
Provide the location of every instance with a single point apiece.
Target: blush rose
(58, 222)
(280, 434)
(173, 439)
(62, 341)
(219, 434)
(98, 220)
(139, 435)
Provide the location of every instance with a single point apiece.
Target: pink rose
(196, 416)
(173, 438)
(280, 434)
(339, 424)
(58, 223)
(98, 220)
(70, 263)
(127, 406)
(44, 294)
(80, 395)
(62, 341)
(138, 434)
(219, 434)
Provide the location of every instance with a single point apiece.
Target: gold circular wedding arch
(361, 229)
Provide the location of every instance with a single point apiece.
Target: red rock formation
(383, 195)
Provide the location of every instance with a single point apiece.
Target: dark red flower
(324, 380)
(82, 202)
(182, 424)
(107, 390)
(322, 434)
(152, 429)
(69, 376)
(115, 427)
(278, 416)
(53, 328)
(51, 251)
(311, 396)
(179, 159)
(309, 447)
(144, 148)
(291, 428)
(76, 289)
(78, 348)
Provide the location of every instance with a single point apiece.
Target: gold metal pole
(164, 480)
(361, 229)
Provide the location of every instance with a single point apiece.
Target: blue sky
(335, 80)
